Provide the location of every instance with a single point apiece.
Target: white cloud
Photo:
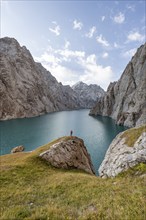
(70, 53)
(129, 53)
(102, 18)
(67, 44)
(54, 22)
(135, 36)
(105, 55)
(63, 74)
(71, 66)
(91, 32)
(56, 29)
(91, 59)
(77, 25)
(119, 18)
(49, 58)
(116, 45)
(131, 7)
(101, 40)
(94, 73)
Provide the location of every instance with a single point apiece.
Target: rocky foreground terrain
(125, 100)
(126, 150)
(27, 89)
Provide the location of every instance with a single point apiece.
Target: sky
(89, 41)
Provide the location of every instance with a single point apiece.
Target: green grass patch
(31, 189)
(131, 135)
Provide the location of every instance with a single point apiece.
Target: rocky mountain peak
(79, 84)
(88, 94)
(10, 47)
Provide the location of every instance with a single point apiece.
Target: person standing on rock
(71, 132)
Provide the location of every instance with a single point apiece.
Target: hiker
(71, 132)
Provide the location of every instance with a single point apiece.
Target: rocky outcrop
(120, 156)
(69, 154)
(17, 149)
(88, 94)
(125, 100)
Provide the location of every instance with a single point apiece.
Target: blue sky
(89, 41)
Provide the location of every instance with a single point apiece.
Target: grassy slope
(131, 135)
(31, 189)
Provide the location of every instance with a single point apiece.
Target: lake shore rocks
(120, 157)
(17, 149)
(69, 154)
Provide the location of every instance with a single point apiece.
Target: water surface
(97, 132)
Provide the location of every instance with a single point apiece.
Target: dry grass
(30, 189)
(131, 135)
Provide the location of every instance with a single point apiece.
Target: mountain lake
(97, 132)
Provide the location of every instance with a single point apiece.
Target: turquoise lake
(97, 132)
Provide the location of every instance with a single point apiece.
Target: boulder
(69, 154)
(120, 156)
(17, 149)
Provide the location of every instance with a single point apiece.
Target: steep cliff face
(88, 94)
(26, 88)
(125, 100)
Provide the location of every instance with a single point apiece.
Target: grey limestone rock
(69, 154)
(125, 100)
(119, 157)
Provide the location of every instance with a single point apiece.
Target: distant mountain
(88, 94)
(125, 100)
(27, 89)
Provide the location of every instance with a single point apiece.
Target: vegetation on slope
(31, 189)
(131, 135)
